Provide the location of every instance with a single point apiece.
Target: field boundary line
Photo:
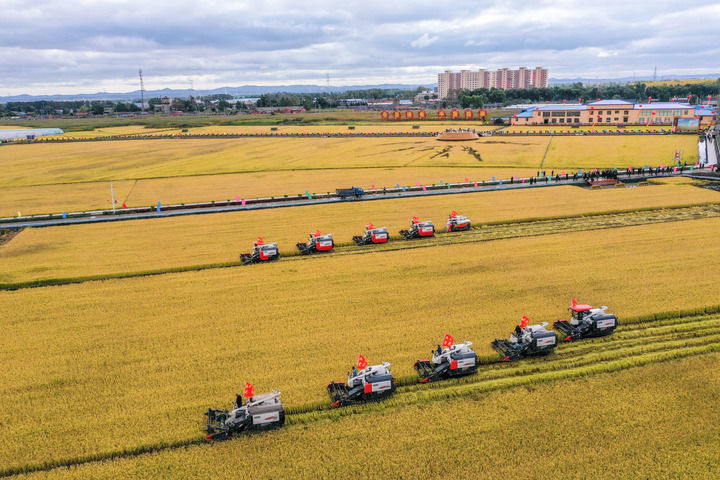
(547, 149)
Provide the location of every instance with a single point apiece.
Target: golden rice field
(73, 197)
(121, 363)
(42, 253)
(39, 164)
(628, 428)
(46, 178)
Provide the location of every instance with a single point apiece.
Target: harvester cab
(586, 322)
(418, 229)
(374, 382)
(372, 235)
(317, 242)
(457, 223)
(526, 340)
(452, 361)
(260, 412)
(262, 252)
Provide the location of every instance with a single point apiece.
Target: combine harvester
(364, 383)
(586, 322)
(372, 235)
(526, 340)
(262, 252)
(451, 361)
(418, 230)
(260, 412)
(316, 243)
(457, 223)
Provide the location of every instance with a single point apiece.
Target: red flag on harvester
(362, 363)
(574, 302)
(448, 341)
(260, 241)
(453, 214)
(369, 226)
(249, 391)
(317, 233)
(524, 321)
(415, 220)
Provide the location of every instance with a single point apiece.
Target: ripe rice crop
(41, 164)
(123, 363)
(45, 253)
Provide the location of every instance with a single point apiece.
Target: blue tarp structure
(23, 133)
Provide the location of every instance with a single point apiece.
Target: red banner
(448, 341)
(482, 113)
(397, 115)
(455, 114)
(422, 115)
(385, 115)
(362, 363)
(409, 115)
(442, 115)
(468, 114)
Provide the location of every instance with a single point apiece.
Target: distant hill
(242, 91)
(255, 90)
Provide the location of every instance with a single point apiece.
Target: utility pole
(112, 196)
(142, 94)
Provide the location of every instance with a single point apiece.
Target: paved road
(99, 218)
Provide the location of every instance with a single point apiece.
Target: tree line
(638, 92)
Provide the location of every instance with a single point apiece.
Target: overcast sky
(89, 46)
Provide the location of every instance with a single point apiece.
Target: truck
(349, 192)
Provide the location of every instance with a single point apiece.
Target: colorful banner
(385, 115)
(442, 115)
(397, 115)
(482, 113)
(468, 114)
(422, 115)
(455, 114)
(409, 115)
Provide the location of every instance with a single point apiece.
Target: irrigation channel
(163, 211)
(636, 342)
(478, 233)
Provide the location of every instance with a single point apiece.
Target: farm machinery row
(323, 243)
(367, 383)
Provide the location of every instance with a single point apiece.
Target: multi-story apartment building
(503, 78)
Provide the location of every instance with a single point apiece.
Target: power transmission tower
(142, 92)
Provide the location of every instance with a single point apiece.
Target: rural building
(612, 112)
(503, 78)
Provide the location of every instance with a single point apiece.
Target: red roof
(581, 308)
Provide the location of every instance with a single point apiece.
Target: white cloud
(423, 41)
(89, 45)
